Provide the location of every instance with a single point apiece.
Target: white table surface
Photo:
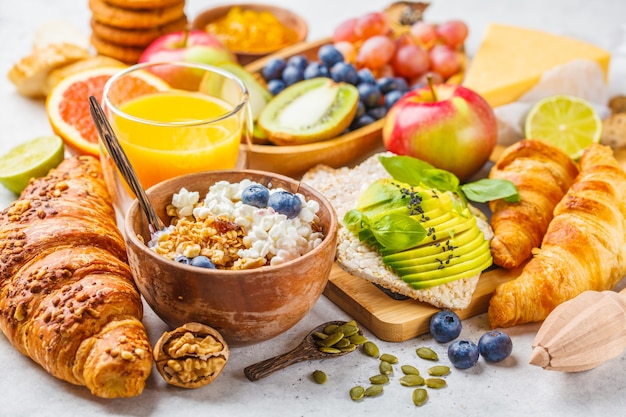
(511, 388)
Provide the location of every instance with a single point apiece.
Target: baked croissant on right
(542, 175)
(583, 249)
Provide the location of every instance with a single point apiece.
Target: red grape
(424, 33)
(411, 61)
(376, 52)
(445, 60)
(453, 33)
(372, 24)
(345, 31)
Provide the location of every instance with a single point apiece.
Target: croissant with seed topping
(67, 297)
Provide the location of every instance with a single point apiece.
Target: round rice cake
(135, 18)
(135, 37)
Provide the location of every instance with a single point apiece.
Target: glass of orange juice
(174, 118)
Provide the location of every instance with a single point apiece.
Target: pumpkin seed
(370, 349)
(379, 379)
(439, 370)
(319, 377)
(373, 390)
(357, 339)
(435, 382)
(411, 380)
(385, 368)
(320, 335)
(427, 353)
(342, 343)
(330, 329)
(409, 370)
(347, 329)
(388, 358)
(332, 339)
(350, 348)
(356, 393)
(326, 349)
(420, 395)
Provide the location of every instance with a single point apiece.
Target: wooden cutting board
(399, 320)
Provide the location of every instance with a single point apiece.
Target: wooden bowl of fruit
(252, 31)
(368, 64)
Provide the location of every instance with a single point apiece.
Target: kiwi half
(309, 111)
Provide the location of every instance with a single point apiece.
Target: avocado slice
(421, 266)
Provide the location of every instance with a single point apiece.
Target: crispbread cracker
(342, 187)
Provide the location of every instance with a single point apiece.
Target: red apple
(453, 129)
(188, 46)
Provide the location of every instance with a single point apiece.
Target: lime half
(566, 122)
(32, 159)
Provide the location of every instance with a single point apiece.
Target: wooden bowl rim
(330, 230)
(301, 26)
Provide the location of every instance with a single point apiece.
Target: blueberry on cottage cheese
(495, 346)
(445, 326)
(202, 262)
(182, 259)
(255, 195)
(286, 203)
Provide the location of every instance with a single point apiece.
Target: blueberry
(182, 259)
(386, 84)
(445, 326)
(401, 84)
(495, 346)
(463, 354)
(366, 76)
(392, 97)
(362, 121)
(276, 86)
(292, 75)
(369, 94)
(360, 110)
(298, 61)
(315, 70)
(377, 113)
(255, 195)
(329, 55)
(273, 70)
(202, 262)
(344, 72)
(286, 203)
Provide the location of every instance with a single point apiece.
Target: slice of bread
(342, 187)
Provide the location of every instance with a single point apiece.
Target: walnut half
(191, 356)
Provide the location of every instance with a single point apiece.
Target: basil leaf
(398, 231)
(487, 189)
(354, 220)
(405, 168)
(440, 179)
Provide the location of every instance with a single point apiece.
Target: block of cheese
(511, 60)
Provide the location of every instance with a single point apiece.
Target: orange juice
(186, 134)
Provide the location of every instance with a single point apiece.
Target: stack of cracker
(122, 29)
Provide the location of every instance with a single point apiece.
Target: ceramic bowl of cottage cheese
(245, 252)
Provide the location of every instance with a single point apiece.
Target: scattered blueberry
(298, 61)
(276, 86)
(273, 70)
(360, 110)
(445, 326)
(387, 84)
(377, 113)
(362, 121)
(495, 346)
(292, 75)
(401, 84)
(463, 354)
(314, 70)
(182, 259)
(369, 94)
(202, 262)
(255, 195)
(286, 203)
(366, 76)
(344, 72)
(392, 97)
(329, 55)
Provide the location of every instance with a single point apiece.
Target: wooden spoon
(582, 333)
(306, 350)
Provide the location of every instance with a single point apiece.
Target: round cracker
(126, 54)
(134, 18)
(135, 37)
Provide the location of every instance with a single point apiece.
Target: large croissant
(542, 174)
(67, 297)
(583, 249)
